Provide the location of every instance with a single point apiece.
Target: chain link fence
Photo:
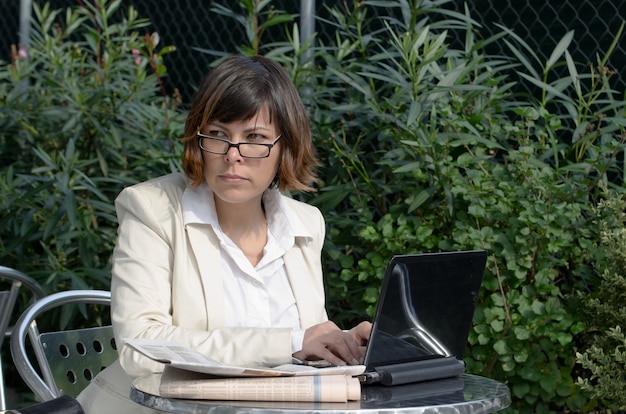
(191, 25)
(542, 23)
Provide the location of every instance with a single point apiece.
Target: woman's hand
(361, 334)
(326, 341)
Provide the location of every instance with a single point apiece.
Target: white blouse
(255, 296)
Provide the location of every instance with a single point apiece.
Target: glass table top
(465, 394)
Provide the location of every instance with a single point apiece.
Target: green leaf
(520, 389)
(501, 347)
(544, 86)
(538, 307)
(559, 49)
(167, 49)
(522, 333)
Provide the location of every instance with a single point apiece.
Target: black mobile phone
(319, 363)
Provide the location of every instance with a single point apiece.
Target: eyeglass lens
(219, 146)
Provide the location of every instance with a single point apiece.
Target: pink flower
(136, 52)
(22, 54)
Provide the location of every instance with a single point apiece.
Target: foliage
(258, 17)
(606, 363)
(427, 147)
(604, 312)
(80, 117)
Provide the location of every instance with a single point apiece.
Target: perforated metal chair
(67, 360)
(12, 282)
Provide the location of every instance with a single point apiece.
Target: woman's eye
(218, 134)
(256, 138)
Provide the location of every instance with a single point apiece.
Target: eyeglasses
(220, 146)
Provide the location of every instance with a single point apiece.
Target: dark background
(191, 24)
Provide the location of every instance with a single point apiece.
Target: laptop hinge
(416, 371)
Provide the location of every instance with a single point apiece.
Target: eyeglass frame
(269, 147)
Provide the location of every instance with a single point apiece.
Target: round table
(465, 394)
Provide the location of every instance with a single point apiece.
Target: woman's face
(233, 178)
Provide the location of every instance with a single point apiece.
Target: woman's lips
(231, 178)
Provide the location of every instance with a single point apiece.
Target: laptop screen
(425, 308)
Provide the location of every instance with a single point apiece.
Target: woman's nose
(233, 154)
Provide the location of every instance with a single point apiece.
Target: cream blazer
(167, 284)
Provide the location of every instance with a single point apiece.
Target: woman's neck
(245, 224)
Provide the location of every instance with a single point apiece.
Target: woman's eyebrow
(216, 125)
(250, 129)
(258, 129)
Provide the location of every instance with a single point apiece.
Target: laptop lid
(425, 310)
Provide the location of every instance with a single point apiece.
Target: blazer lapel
(302, 287)
(206, 248)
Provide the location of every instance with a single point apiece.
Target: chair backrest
(8, 298)
(12, 282)
(67, 360)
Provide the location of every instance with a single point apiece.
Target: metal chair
(13, 281)
(67, 360)
(64, 404)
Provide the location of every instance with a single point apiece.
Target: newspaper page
(183, 357)
(176, 383)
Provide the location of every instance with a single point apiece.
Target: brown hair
(236, 90)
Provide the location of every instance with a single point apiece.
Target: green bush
(81, 115)
(427, 147)
(604, 313)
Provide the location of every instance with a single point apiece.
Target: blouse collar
(198, 207)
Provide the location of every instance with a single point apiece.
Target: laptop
(423, 317)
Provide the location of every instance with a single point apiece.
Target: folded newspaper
(182, 357)
(178, 383)
(191, 375)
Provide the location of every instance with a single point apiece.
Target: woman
(218, 259)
